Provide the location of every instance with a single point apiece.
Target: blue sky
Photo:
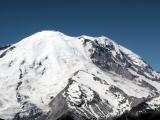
(134, 24)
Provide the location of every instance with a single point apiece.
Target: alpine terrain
(52, 76)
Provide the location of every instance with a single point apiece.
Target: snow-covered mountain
(52, 76)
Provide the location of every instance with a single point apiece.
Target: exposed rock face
(79, 105)
(150, 115)
(146, 110)
(30, 112)
(4, 47)
(51, 76)
(106, 56)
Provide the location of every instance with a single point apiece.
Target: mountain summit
(52, 76)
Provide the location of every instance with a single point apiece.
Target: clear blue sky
(133, 23)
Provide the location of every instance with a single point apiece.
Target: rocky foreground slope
(52, 76)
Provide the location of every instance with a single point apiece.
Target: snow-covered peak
(45, 36)
(34, 71)
(53, 38)
(49, 42)
(116, 49)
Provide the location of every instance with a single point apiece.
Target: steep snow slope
(49, 75)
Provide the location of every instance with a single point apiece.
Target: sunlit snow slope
(49, 75)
